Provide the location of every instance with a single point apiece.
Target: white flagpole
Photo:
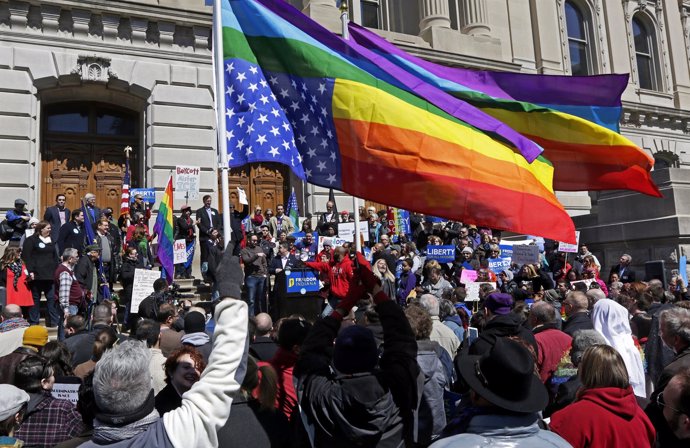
(219, 68)
(344, 19)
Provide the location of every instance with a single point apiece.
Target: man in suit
(330, 216)
(207, 219)
(284, 261)
(72, 234)
(57, 215)
(281, 222)
(623, 269)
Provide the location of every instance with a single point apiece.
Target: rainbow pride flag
(356, 130)
(164, 229)
(575, 119)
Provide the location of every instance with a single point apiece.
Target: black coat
(127, 278)
(277, 263)
(52, 215)
(40, 258)
(206, 224)
(263, 348)
(364, 409)
(168, 400)
(628, 274)
(69, 239)
(502, 326)
(83, 271)
(254, 427)
(184, 229)
(576, 322)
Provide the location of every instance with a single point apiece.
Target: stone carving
(94, 69)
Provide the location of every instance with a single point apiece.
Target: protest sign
(472, 290)
(148, 195)
(498, 265)
(301, 282)
(346, 231)
(179, 251)
(66, 388)
(683, 269)
(468, 276)
(334, 240)
(143, 286)
(442, 254)
(525, 254)
(187, 182)
(582, 285)
(570, 248)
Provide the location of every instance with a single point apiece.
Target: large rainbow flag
(164, 229)
(575, 119)
(354, 128)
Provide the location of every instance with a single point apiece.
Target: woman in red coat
(605, 413)
(14, 276)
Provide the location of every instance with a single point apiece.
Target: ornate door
(264, 183)
(75, 169)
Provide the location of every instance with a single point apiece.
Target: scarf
(16, 268)
(109, 428)
(196, 339)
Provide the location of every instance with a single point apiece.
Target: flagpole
(344, 19)
(220, 114)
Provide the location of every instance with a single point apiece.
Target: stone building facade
(80, 79)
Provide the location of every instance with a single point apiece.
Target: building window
(648, 76)
(371, 14)
(578, 26)
(404, 16)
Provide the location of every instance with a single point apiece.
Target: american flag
(124, 205)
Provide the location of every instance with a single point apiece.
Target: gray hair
(616, 285)
(121, 380)
(676, 322)
(88, 196)
(594, 295)
(446, 309)
(582, 340)
(69, 252)
(430, 303)
(542, 313)
(627, 257)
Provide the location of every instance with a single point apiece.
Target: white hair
(121, 380)
(676, 322)
(430, 303)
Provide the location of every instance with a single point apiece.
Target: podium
(296, 291)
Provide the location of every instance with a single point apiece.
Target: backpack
(6, 230)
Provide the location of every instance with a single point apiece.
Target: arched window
(580, 41)
(648, 76)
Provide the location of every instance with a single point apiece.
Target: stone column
(474, 18)
(434, 14)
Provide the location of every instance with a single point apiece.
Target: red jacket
(552, 345)
(286, 399)
(339, 275)
(606, 417)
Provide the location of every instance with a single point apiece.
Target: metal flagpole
(218, 65)
(344, 19)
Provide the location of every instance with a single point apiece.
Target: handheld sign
(66, 388)
(472, 290)
(468, 276)
(187, 182)
(179, 251)
(143, 286)
(525, 254)
(683, 269)
(442, 254)
(148, 195)
(498, 265)
(570, 248)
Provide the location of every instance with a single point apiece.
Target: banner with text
(525, 254)
(570, 248)
(179, 251)
(499, 264)
(346, 231)
(143, 286)
(442, 254)
(472, 290)
(301, 282)
(187, 180)
(147, 194)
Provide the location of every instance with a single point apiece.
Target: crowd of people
(548, 354)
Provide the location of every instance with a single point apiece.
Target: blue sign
(506, 250)
(147, 194)
(499, 264)
(301, 282)
(683, 268)
(442, 254)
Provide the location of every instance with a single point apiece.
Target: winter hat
(499, 303)
(467, 250)
(194, 322)
(551, 295)
(35, 335)
(355, 350)
(509, 274)
(12, 401)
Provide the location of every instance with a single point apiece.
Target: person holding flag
(90, 272)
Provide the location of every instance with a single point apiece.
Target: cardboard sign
(66, 388)
(525, 254)
(301, 282)
(570, 248)
(187, 180)
(179, 251)
(346, 231)
(143, 286)
(148, 195)
(468, 276)
(472, 290)
(498, 265)
(442, 254)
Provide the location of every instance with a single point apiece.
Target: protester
(86, 272)
(14, 277)
(263, 347)
(47, 421)
(33, 339)
(255, 274)
(505, 399)
(12, 410)
(195, 334)
(184, 230)
(385, 276)
(291, 335)
(40, 257)
(435, 284)
(576, 306)
(552, 344)
(148, 308)
(171, 339)
(339, 273)
(104, 340)
(333, 404)
(675, 404)
(111, 259)
(606, 413)
(72, 235)
(81, 345)
(182, 369)
(18, 219)
(611, 321)
(623, 269)
(439, 332)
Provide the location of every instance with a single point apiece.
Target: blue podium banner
(301, 282)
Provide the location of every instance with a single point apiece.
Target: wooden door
(75, 169)
(264, 183)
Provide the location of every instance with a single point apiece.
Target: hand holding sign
(242, 196)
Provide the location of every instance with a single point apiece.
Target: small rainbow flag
(164, 229)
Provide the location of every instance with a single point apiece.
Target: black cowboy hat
(505, 377)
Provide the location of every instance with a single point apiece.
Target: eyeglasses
(662, 404)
